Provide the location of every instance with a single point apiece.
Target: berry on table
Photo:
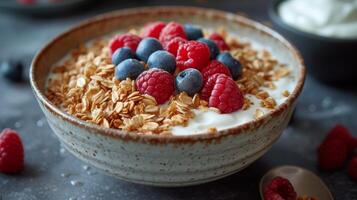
(146, 47)
(279, 189)
(12, 70)
(190, 81)
(223, 93)
(352, 168)
(332, 154)
(342, 133)
(153, 29)
(192, 32)
(122, 54)
(235, 67)
(213, 48)
(129, 68)
(214, 67)
(124, 40)
(162, 60)
(170, 31)
(219, 40)
(172, 45)
(192, 54)
(11, 152)
(156, 83)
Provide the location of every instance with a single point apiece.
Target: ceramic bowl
(166, 160)
(330, 60)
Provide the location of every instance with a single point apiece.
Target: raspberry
(157, 83)
(332, 154)
(174, 44)
(153, 29)
(352, 168)
(170, 31)
(340, 132)
(127, 39)
(223, 93)
(11, 152)
(279, 189)
(219, 40)
(215, 67)
(192, 54)
(208, 87)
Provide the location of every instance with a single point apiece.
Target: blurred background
(329, 97)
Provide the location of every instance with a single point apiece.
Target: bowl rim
(274, 15)
(162, 139)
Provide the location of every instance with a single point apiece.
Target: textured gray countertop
(52, 173)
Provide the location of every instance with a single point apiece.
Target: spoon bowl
(304, 181)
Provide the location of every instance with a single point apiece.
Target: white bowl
(166, 160)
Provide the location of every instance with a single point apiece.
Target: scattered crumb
(286, 93)
(212, 130)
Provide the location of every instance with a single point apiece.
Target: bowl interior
(260, 36)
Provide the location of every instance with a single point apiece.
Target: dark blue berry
(163, 60)
(190, 81)
(213, 48)
(235, 67)
(122, 54)
(129, 68)
(192, 32)
(12, 70)
(146, 47)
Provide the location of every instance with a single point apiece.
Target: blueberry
(192, 32)
(235, 67)
(213, 48)
(146, 47)
(12, 70)
(190, 81)
(163, 60)
(122, 54)
(129, 68)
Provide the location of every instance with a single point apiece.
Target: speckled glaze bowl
(166, 160)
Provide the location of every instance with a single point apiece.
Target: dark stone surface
(52, 173)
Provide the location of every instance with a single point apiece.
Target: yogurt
(330, 18)
(210, 119)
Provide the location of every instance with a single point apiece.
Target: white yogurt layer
(331, 18)
(210, 119)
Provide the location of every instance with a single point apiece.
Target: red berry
(332, 154)
(170, 31)
(157, 83)
(223, 93)
(11, 152)
(352, 168)
(172, 45)
(219, 40)
(192, 54)
(208, 87)
(279, 189)
(153, 29)
(340, 132)
(215, 67)
(129, 40)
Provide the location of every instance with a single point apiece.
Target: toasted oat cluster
(84, 85)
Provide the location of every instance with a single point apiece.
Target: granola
(84, 86)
